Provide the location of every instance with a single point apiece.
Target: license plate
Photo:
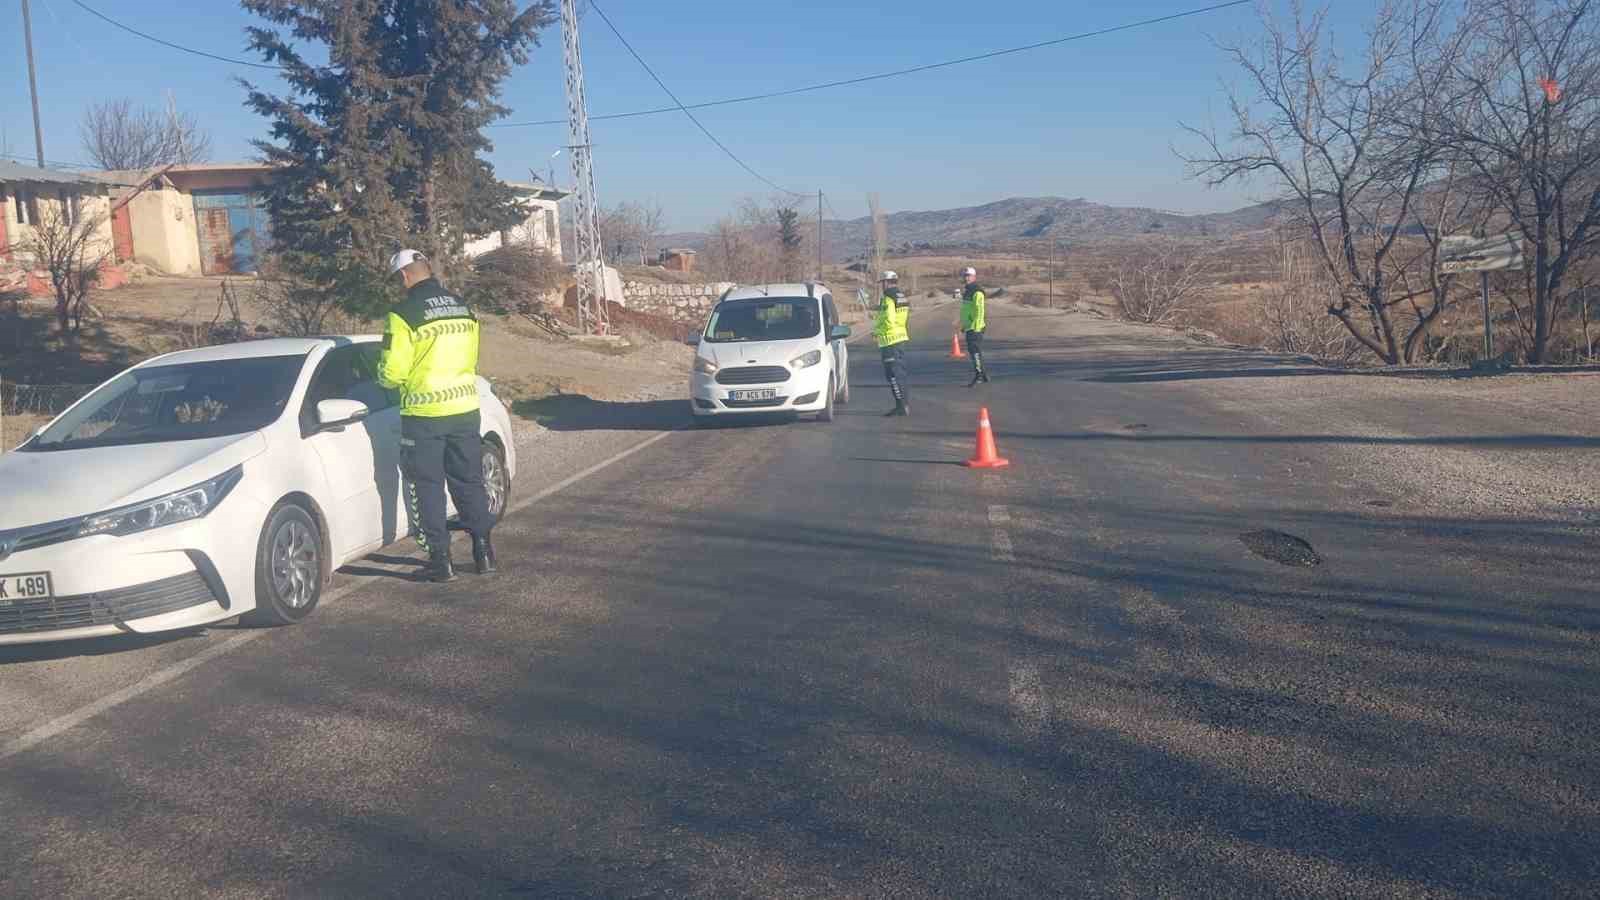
(28, 586)
(753, 395)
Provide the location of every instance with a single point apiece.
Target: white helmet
(404, 258)
(969, 271)
(889, 275)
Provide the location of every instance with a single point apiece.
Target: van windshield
(764, 319)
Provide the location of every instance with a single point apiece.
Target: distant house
(677, 260)
(211, 218)
(542, 227)
(197, 219)
(29, 196)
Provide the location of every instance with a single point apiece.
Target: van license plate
(29, 586)
(753, 395)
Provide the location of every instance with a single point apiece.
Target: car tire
(496, 480)
(289, 568)
(827, 411)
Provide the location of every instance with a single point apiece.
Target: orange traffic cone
(955, 347)
(988, 457)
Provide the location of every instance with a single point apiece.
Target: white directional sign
(1465, 253)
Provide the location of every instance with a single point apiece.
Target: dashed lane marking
(1000, 542)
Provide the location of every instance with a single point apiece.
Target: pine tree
(380, 147)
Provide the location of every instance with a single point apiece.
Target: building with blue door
(199, 219)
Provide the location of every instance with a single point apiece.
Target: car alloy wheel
(496, 482)
(296, 564)
(289, 567)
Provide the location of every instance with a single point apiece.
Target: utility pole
(819, 235)
(1051, 304)
(592, 311)
(33, 83)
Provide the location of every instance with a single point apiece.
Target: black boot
(900, 409)
(977, 377)
(483, 555)
(439, 569)
(983, 377)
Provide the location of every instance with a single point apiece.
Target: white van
(770, 349)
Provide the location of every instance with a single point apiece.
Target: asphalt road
(808, 660)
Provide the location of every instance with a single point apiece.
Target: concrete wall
(687, 304)
(533, 229)
(163, 231)
(92, 205)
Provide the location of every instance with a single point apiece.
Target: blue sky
(1094, 119)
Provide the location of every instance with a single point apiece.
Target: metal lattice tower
(592, 312)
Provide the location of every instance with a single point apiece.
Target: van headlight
(178, 506)
(705, 366)
(806, 360)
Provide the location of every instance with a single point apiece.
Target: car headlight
(705, 366)
(806, 360)
(178, 506)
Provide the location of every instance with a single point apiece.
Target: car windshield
(183, 402)
(764, 319)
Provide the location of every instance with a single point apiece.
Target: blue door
(233, 230)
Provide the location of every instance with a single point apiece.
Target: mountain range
(1018, 220)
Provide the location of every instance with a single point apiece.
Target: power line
(862, 79)
(707, 132)
(149, 37)
(52, 162)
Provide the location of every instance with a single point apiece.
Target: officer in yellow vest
(430, 354)
(974, 322)
(893, 333)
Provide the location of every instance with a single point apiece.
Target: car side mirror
(334, 413)
(839, 333)
(692, 340)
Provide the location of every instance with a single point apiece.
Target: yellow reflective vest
(894, 319)
(430, 353)
(972, 309)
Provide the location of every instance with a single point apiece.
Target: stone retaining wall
(688, 304)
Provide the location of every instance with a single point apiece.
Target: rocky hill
(1022, 219)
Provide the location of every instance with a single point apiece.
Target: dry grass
(160, 315)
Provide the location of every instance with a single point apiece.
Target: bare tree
(512, 277)
(1163, 281)
(630, 229)
(66, 242)
(1527, 124)
(731, 253)
(118, 135)
(1296, 311)
(1354, 153)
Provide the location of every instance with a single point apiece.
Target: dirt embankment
(40, 372)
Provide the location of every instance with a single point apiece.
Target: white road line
(1000, 542)
(150, 682)
(562, 485)
(1030, 707)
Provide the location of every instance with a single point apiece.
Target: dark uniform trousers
(894, 369)
(436, 452)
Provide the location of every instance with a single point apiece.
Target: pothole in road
(1137, 426)
(1380, 504)
(1281, 548)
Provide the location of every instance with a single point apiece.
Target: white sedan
(208, 484)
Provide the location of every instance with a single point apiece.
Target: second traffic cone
(988, 457)
(955, 347)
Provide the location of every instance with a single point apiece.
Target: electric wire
(150, 37)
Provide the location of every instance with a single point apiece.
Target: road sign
(1465, 253)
